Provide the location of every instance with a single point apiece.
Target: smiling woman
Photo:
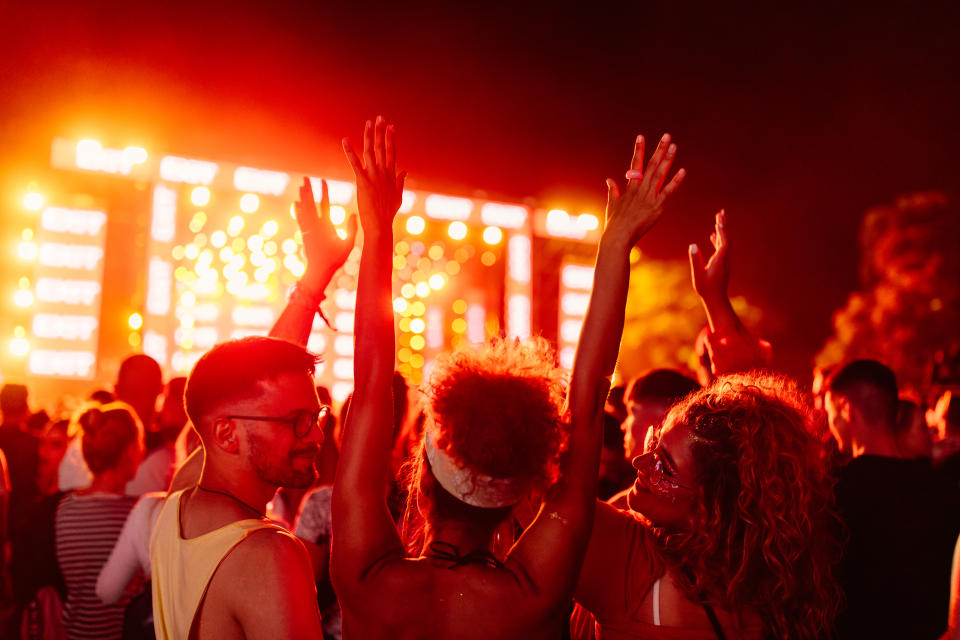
(736, 527)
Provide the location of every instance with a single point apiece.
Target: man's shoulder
(265, 548)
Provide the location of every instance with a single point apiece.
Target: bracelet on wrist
(309, 299)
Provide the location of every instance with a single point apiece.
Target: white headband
(466, 485)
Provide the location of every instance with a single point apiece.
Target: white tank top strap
(656, 602)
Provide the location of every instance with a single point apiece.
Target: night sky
(795, 122)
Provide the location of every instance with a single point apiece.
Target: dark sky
(795, 121)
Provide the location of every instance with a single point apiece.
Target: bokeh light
(249, 202)
(457, 230)
(200, 196)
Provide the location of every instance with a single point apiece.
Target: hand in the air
(710, 281)
(379, 185)
(324, 250)
(632, 214)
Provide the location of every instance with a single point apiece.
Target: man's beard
(279, 472)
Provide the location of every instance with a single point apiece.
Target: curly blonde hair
(764, 534)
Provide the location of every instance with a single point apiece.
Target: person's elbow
(106, 592)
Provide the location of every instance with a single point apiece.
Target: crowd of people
(508, 500)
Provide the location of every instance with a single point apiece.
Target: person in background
(616, 403)
(615, 471)
(903, 518)
(139, 382)
(648, 398)
(88, 521)
(21, 450)
(53, 446)
(158, 465)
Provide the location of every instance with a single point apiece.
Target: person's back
(21, 450)
(903, 520)
(902, 517)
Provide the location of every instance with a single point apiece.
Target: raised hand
(324, 249)
(710, 281)
(379, 186)
(631, 215)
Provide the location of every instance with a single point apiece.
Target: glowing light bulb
(270, 228)
(457, 230)
(399, 305)
(249, 202)
(200, 196)
(417, 325)
(415, 225)
(492, 235)
(437, 281)
(33, 201)
(19, 346)
(423, 289)
(135, 321)
(23, 298)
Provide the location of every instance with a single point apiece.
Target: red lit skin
(731, 346)
(325, 253)
(640, 417)
(264, 588)
(666, 504)
(382, 593)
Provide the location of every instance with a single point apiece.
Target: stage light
(33, 201)
(588, 221)
(459, 325)
(518, 316)
(269, 229)
(289, 246)
(448, 207)
(492, 235)
(76, 221)
(459, 306)
(270, 248)
(399, 305)
(235, 225)
(408, 290)
(402, 248)
(417, 325)
(337, 214)
(417, 342)
(269, 182)
(19, 346)
(437, 281)
(249, 202)
(135, 321)
(27, 250)
(422, 289)
(574, 304)
(341, 234)
(255, 243)
(187, 299)
(435, 252)
(134, 339)
(575, 276)
(488, 258)
(407, 200)
(510, 216)
(415, 225)
(19, 332)
(191, 251)
(135, 155)
(417, 308)
(218, 239)
(23, 298)
(237, 244)
(452, 268)
(416, 360)
(26, 235)
(200, 196)
(457, 230)
(403, 354)
(187, 170)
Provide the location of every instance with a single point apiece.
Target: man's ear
(844, 408)
(225, 435)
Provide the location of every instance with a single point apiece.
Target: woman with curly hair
(730, 531)
(495, 429)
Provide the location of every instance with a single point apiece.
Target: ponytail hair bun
(106, 433)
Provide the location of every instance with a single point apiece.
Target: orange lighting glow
(135, 321)
(492, 235)
(249, 202)
(457, 230)
(415, 225)
(33, 201)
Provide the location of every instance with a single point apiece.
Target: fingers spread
(674, 184)
(353, 159)
(664, 166)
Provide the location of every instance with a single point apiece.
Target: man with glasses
(220, 568)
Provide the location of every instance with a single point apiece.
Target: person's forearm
(367, 439)
(296, 320)
(721, 317)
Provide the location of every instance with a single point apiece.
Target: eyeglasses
(301, 421)
(656, 473)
